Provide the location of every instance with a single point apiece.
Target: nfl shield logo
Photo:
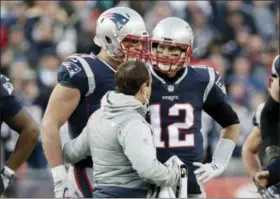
(170, 88)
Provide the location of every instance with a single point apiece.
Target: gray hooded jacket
(121, 144)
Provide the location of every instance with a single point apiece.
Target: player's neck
(112, 62)
(172, 76)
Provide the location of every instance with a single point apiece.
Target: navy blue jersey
(9, 105)
(175, 114)
(276, 67)
(93, 78)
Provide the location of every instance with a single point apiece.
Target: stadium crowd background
(237, 38)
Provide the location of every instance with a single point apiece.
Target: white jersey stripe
(210, 84)
(89, 74)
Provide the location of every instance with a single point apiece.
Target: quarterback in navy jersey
(82, 81)
(179, 95)
(13, 114)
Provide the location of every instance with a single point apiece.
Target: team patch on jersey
(9, 87)
(72, 68)
(221, 85)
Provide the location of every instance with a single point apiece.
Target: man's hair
(130, 76)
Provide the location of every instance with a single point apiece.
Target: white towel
(178, 191)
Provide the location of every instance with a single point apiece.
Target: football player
(180, 93)
(270, 119)
(270, 122)
(12, 113)
(253, 144)
(82, 81)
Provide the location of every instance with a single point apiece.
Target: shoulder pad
(76, 71)
(204, 72)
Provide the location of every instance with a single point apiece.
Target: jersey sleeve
(254, 120)
(276, 67)
(257, 115)
(215, 91)
(75, 72)
(9, 103)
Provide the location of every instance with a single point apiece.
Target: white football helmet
(171, 31)
(120, 24)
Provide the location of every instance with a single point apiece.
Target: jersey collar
(163, 80)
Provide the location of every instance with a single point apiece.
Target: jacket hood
(115, 104)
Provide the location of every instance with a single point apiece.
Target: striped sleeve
(215, 91)
(257, 115)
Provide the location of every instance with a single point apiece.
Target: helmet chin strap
(114, 57)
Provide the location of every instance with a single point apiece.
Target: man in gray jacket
(120, 140)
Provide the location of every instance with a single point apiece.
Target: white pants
(82, 178)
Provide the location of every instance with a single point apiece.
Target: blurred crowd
(238, 38)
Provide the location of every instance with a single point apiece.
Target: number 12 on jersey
(173, 129)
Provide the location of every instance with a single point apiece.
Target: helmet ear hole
(108, 40)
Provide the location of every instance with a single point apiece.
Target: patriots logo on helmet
(72, 68)
(118, 19)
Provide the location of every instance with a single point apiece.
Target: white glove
(221, 157)
(6, 176)
(66, 189)
(206, 172)
(63, 188)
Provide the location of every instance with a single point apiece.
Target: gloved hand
(220, 160)
(63, 188)
(206, 172)
(6, 176)
(66, 189)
